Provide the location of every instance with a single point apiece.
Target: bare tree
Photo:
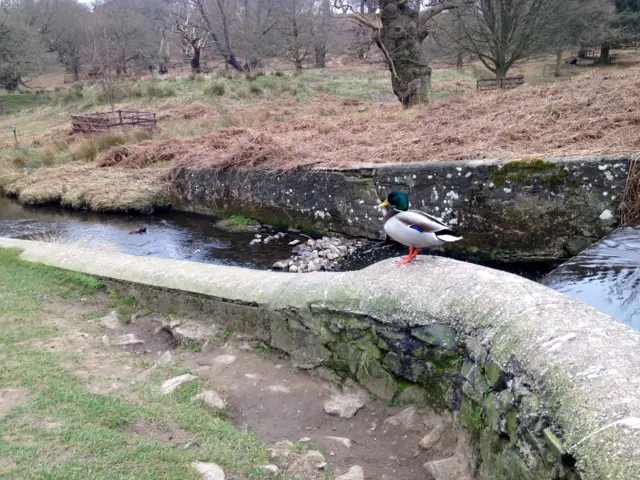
(258, 23)
(324, 27)
(503, 32)
(399, 29)
(296, 29)
(204, 23)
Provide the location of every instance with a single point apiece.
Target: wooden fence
(93, 123)
(503, 83)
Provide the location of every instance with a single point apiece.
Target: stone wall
(526, 210)
(548, 386)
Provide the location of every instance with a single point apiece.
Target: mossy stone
(554, 443)
(437, 335)
(495, 375)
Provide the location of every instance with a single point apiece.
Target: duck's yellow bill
(384, 204)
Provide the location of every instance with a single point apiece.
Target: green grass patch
(60, 429)
(238, 223)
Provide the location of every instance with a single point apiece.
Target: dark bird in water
(414, 228)
(139, 230)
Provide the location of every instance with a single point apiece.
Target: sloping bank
(533, 374)
(525, 210)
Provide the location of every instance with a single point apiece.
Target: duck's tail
(448, 235)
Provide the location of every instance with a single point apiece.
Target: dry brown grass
(595, 113)
(97, 189)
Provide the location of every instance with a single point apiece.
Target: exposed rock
(304, 440)
(192, 331)
(279, 389)
(354, 473)
(173, 383)
(294, 242)
(211, 398)
(224, 359)
(344, 405)
(166, 358)
(255, 241)
(432, 438)
(271, 469)
(281, 265)
(209, 471)
(293, 268)
(452, 468)
(126, 339)
(408, 419)
(110, 321)
(341, 440)
(305, 465)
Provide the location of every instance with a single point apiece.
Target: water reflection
(605, 276)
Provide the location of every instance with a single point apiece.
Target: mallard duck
(414, 228)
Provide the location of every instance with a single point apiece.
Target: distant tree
(21, 51)
(258, 21)
(399, 28)
(580, 22)
(627, 20)
(324, 28)
(204, 23)
(295, 29)
(503, 32)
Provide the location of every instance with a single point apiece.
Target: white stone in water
(606, 215)
(312, 267)
(280, 265)
(294, 242)
(255, 241)
(173, 383)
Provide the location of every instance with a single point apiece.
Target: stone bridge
(548, 386)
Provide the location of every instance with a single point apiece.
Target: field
(324, 118)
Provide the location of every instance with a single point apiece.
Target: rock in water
(354, 473)
(173, 383)
(209, 471)
(344, 405)
(211, 398)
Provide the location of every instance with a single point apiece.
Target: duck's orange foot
(405, 260)
(409, 258)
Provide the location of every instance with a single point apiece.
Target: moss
(546, 173)
(238, 223)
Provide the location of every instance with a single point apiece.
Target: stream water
(606, 276)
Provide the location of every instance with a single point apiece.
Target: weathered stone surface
(431, 439)
(166, 358)
(439, 335)
(307, 465)
(192, 331)
(376, 379)
(211, 398)
(175, 382)
(452, 468)
(344, 405)
(495, 375)
(409, 418)
(126, 339)
(271, 469)
(111, 321)
(354, 473)
(345, 442)
(512, 210)
(543, 339)
(209, 471)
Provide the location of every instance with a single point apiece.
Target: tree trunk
(410, 71)
(501, 71)
(298, 64)
(459, 61)
(195, 61)
(321, 55)
(12, 85)
(604, 53)
(231, 60)
(558, 72)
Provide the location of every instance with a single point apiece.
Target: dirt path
(262, 391)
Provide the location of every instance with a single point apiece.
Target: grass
(237, 223)
(62, 430)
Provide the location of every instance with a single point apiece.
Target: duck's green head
(398, 200)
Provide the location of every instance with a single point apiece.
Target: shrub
(216, 88)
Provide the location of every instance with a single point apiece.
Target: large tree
(295, 31)
(503, 32)
(399, 30)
